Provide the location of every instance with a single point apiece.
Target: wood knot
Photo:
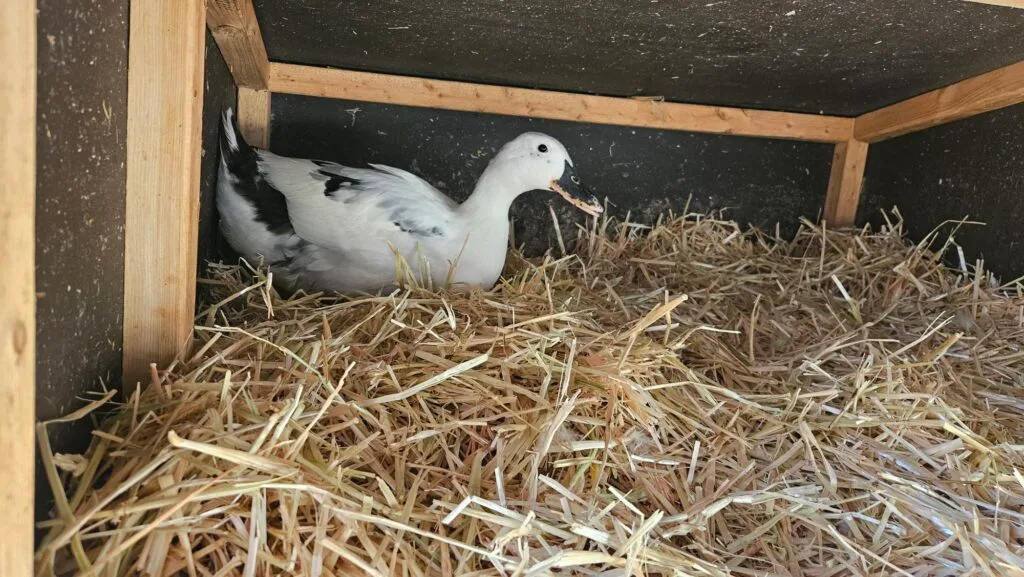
(229, 31)
(20, 337)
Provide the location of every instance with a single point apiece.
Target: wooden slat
(845, 182)
(990, 91)
(413, 91)
(165, 101)
(254, 116)
(17, 287)
(1006, 3)
(234, 27)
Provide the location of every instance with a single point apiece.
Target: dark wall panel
(842, 57)
(646, 171)
(82, 112)
(971, 168)
(220, 92)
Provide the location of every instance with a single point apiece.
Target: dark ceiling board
(643, 171)
(842, 57)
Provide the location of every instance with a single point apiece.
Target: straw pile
(687, 400)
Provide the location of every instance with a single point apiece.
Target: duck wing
(323, 224)
(343, 208)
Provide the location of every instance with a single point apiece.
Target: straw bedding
(687, 400)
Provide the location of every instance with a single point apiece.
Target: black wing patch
(330, 174)
(334, 182)
(242, 163)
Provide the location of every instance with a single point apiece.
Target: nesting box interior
(771, 111)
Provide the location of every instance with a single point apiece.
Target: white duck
(321, 226)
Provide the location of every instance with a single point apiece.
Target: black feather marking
(270, 205)
(406, 227)
(335, 182)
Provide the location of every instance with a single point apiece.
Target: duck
(320, 226)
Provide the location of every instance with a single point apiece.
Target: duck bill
(570, 188)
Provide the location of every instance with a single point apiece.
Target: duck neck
(495, 191)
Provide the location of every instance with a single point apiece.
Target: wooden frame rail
(983, 93)
(1003, 3)
(17, 289)
(552, 105)
(237, 33)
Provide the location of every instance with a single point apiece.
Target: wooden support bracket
(237, 32)
(165, 104)
(254, 116)
(845, 182)
(17, 288)
(983, 93)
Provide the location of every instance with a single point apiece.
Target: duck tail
(234, 150)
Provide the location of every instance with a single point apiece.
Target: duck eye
(575, 179)
(543, 148)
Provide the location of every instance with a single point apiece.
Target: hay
(841, 404)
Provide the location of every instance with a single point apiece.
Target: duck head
(542, 163)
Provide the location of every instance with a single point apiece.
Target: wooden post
(17, 288)
(165, 100)
(234, 27)
(845, 182)
(254, 116)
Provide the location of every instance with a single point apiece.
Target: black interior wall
(640, 170)
(80, 169)
(220, 92)
(80, 205)
(971, 168)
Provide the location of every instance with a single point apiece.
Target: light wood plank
(845, 182)
(413, 91)
(1005, 3)
(17, 287)
(254, 116)
(990, 91)
(237, 32)
(165, 101)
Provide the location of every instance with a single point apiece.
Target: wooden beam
(845, 182)
(413, 91)
(165, 101)
(990, 91)
(254, 116)
(1005, 3)
(234, 27)
(17, 289)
